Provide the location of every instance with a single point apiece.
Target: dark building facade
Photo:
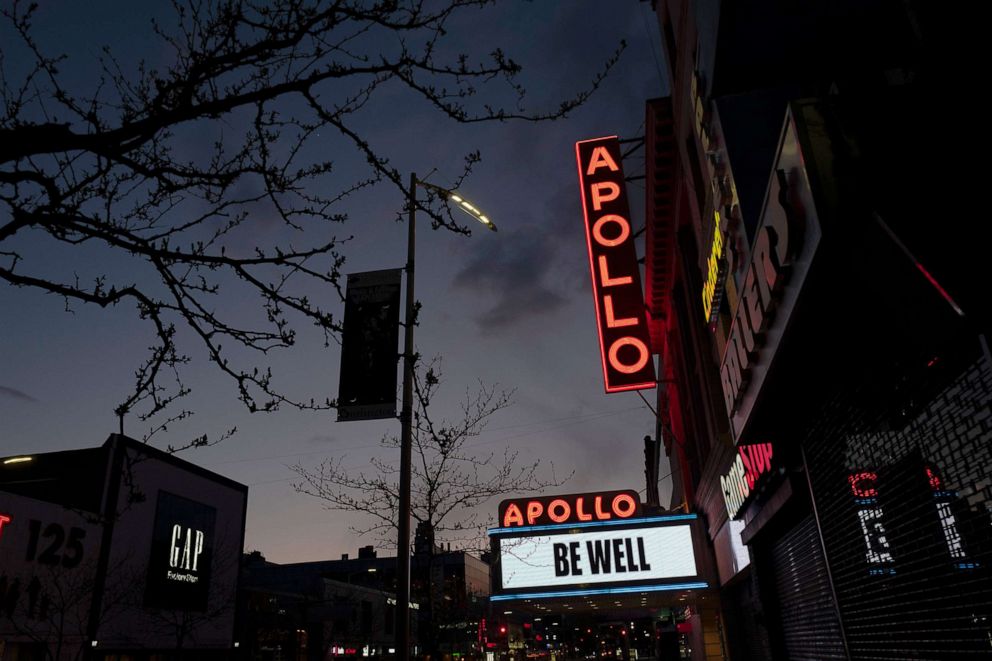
(294, 612)
(315, 610)
(118, 551)
(811, 278)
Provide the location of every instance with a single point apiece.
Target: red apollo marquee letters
(616, 279)
(572, 508)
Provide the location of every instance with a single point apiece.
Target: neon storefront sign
(752, 463)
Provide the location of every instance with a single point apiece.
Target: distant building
(453, 586)
(120, 550)
(294, 612)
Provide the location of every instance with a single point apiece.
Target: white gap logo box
(603, 556)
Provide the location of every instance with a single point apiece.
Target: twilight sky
(512, 308)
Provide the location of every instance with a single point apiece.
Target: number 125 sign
(50, 544)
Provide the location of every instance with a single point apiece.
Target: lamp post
(406, 414)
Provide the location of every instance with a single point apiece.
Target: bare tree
(106, 163)
(451, 479)
(52, 608)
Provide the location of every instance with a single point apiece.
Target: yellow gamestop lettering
(713, 268)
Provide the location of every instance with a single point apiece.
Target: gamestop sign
(616, 278)
(182, 548)
(751, 465)
(643, 554)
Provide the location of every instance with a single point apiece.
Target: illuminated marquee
(751, 464)
(606, 556)
(616, 278)
(604, 506)
(611, 556)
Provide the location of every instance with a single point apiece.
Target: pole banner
(367, 386)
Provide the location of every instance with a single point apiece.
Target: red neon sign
(571, 508)
(616, 279)
(4, 519)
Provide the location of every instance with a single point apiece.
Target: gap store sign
(611, 556)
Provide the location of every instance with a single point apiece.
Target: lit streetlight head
(460, 203)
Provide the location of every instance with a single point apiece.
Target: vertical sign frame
(625, 345)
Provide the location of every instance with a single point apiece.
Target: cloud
(527, 272)
(528, 304)
(13, 393)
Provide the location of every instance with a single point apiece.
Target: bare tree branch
(451, 479)
(109, 165)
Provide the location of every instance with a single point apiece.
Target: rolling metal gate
(808, 619)
(744, 619)
(900, 465)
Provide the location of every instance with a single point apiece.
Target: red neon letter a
(513, 516)
(600, 158)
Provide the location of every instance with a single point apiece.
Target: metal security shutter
(807, 617)
(742, 612)
(901, 469)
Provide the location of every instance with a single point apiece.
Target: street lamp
(460, 202)
(406, 414)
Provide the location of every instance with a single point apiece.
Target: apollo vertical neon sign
(616, 279)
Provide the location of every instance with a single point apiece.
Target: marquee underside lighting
(602, 591)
